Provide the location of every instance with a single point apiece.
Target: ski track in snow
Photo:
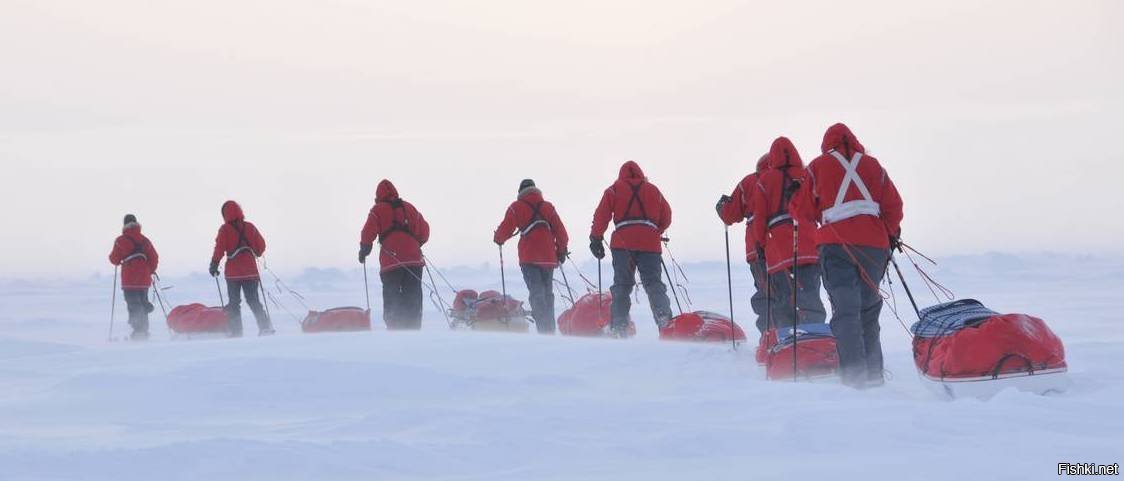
(447, 405)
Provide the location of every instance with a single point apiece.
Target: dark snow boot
(268, 331)
(138, 336)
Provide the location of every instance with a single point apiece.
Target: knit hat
(130, 219)
(526, 184)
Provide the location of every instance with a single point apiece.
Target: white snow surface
(456, 405)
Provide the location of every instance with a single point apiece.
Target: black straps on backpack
(781, 215)
(137, 253)
(537, 220)
(243, 243)
(396, 225)
(643, 218)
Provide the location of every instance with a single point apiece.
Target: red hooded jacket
(856, 220)
(240, 242)
(543, 237)
(769, 207)
(398, 226)
(740, 208)
(136, 256)
(637, 207)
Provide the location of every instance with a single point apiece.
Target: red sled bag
(964, 339)
(470, 308)
(702, 326)
(197, 319)
(813, 346)
(339, 319)
(589, 318)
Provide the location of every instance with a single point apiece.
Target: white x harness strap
(843, 210)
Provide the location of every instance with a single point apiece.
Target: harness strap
(842, 209)
(643, 218)
(781, 215)
(537, 219)
(138, 252)
(243, 243)
(396, 225)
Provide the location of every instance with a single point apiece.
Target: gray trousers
(808, 303)
(759, 302)
(625, 265)
(855, 306)
(540, 285)
(136, 301)
(248, 288)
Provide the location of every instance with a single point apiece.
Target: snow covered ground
(439, 404)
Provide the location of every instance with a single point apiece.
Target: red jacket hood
(783, 156)
(762, 163)
(231, 211)
(630, 171)
(839, 137)
(385, 192)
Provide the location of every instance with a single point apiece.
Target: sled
(813, 346)
(590, 318)
(702, 326)
(196, 321)
(489, 311)
(339, 319)
(963, 349)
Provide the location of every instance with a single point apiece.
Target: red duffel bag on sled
(339, 319)
(813, 346)
(702, 326)
(589, 318)
(489, 311)
(197, 319)
(962, 348)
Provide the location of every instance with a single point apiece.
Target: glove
(562, 257)
(597, 248)
(761, 254)
(364, 251)
(722, 201)
(214, 269)
(896, 243)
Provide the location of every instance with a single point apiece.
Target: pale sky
(999, 121)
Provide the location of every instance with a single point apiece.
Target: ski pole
(503, 286)
(730, 291)
(599, 307)
(795, 288)
(159, 298)
(366, 288)
(906, 286)
(222, 301)
(567, 283)
(674, 293)
(113, 305)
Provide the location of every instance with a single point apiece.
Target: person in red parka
(773, 228)
(542, 247)
(734, 208)
(640, 215)
(401, 231)
(138, 260)
(241, 243)
(859, 212)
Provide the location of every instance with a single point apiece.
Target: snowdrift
(589, 317)
(339, 319)
(489, 311)
(812, 345)
(962, 348)
(702, 326)
(198, 319)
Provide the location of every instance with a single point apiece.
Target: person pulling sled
(734, 208)
(240, 242)
(773, 229)
(542, 247)
(640, 215)
(859, 212)
(136, 256)
(401, 232)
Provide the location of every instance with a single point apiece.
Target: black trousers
(806, 281)
(540, 285)
(236, 289)
(402, 297)
(760, 300)
(136, 301)
(855, 307)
